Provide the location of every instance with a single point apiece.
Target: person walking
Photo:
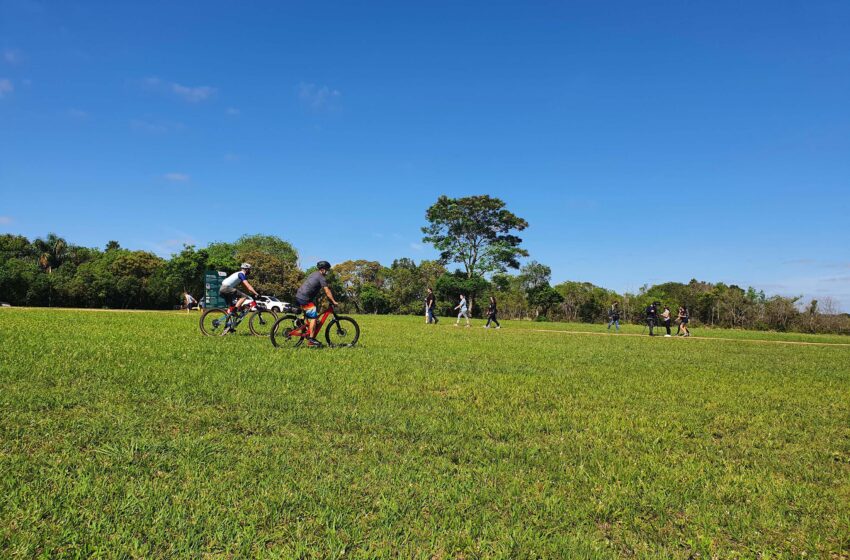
(491, 314)
(464, 311)
(614, 316)
(430, 302)
(667, 319)
(652, 316)
(683, 321)
(190, 302)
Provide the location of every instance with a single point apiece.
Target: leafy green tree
(267, 244)
(356, 276)
(475, 231)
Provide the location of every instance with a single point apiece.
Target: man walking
(430, 301)
(652, 317)
(614, 316)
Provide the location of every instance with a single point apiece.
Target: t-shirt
(651, 312)
(429, 300)
(491, 309)
(311, 288)
(463, 304)
(189, 299)
(233, 281)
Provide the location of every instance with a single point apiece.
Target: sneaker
(499, 327)
(313, 343)
(486, 326)
(666, 336)
(457, 324)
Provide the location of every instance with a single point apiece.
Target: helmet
(245, 266)
(323, 265)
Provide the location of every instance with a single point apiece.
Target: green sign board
(212, 283)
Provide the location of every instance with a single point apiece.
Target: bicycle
(218, 322)
(291, 330)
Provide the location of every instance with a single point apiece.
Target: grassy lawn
(131, 435)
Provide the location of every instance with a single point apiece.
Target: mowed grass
(131, 435)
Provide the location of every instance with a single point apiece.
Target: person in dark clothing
(683, 317)
(491, 314)
(306, 298)
(614, 316)
(430, 302)
(652, 317)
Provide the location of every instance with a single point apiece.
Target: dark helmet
(323, 265)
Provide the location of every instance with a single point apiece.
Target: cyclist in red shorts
(306, 298)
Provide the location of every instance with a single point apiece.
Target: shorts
(231, 296)
(309, 310)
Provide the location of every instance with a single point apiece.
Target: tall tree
(475, 231)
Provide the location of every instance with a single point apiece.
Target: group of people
(305, 297)
(463, 311)
(652, 319)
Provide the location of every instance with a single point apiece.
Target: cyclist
(306, 298)
(230, 288)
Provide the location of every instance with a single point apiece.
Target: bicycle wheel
(342, 331)
(261, 322)
(286, 332)
(214, 321)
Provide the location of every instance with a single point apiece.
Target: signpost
(212, 283)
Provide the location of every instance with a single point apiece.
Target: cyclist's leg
(311, 314)
(242, 297)
(230, 298)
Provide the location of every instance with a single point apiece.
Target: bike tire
(342, 332)
(261, 322)
(279, 334)
(213, 322)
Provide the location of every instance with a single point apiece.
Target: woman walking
(683, 321)
(667, 318)
(430, 300)
(464, 311)
(491, 314)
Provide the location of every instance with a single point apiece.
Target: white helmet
(245, 266)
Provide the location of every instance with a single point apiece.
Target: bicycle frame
(303, 331)
(235, 320)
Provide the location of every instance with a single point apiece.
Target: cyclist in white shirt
(230, 288)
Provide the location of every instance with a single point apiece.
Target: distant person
(464, 311)
(230, 288)
(614, 316)
(491, 314)
(306, 298)
(652, 317)
(667, 319)
(191, 302)
(430, 302)
(683, 321)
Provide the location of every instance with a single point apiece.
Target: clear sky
(643, 141)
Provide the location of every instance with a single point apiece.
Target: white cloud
(416, 246)
(6, 220)
(77, 114)
(12, 56)
(318, 97)
(156, 126)
(233, 111)
(6, 87)
(176, 177)
(192, 94)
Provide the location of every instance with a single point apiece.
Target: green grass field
(130, 435)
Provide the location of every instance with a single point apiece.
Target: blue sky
(643, 141)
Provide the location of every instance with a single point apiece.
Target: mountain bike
(218, 322)
(291, 330)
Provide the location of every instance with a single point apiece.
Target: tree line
(476, 233)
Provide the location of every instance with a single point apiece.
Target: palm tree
(52, 251)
